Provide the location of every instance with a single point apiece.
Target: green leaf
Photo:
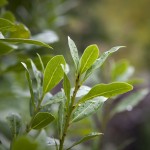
(41, 62)
(6, 48)
(86, 138)
(3, 3)
(21, 31)
(99, 62)
(9, 16)
(24, 143)
(41, 120)
(74, 52)
(54, 99)
(29, 84)
(18, 67)
(89, 56)
(14, 123)
(53, 73)
(67, 88)
(61, 118)
(129, 102)
(25, 41)
(6, 25)
(87, 108)
(121, 71)
(107, 90)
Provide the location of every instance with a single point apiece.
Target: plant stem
(67, 123)
(28, 129)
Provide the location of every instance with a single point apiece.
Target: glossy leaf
(129, 102)
(14, 123)
(25, 41)
(6, 48)
(6, 25)
(99, 62)
(53, 73)
(41, 62)
(86, 138)
(87, 108)
(89, 56)
(107, 90)
(41, 120)
(24, 143)
(74, 52)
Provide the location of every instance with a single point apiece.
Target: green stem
(67, 123)
(28, 129)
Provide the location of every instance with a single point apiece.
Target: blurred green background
(106, 23)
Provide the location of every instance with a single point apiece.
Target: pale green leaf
(54, 99)
(121, 71)
(53, 73)
(86, 138)
(129, 102)
(17, 67)
(89, 56)
(74, 52)
(67, 88)
(107, 90)
(29, 84)
(99, 62)
(61, 118)
(14, 124)
(87, 108)
(41, 120)
(25, 41)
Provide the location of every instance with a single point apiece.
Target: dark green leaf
(86, 138)
(107, 90)
(24, 143)
(3, 3)
(41, 120)
(6, 25)
(74, 52)
(99, 62)
(87, 108)
(53, 73)
(25, 41)
(129, 102)
(15, 124)
(89, 56)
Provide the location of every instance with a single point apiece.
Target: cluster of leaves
(75, 102)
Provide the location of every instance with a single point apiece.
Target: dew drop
(129, 108)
